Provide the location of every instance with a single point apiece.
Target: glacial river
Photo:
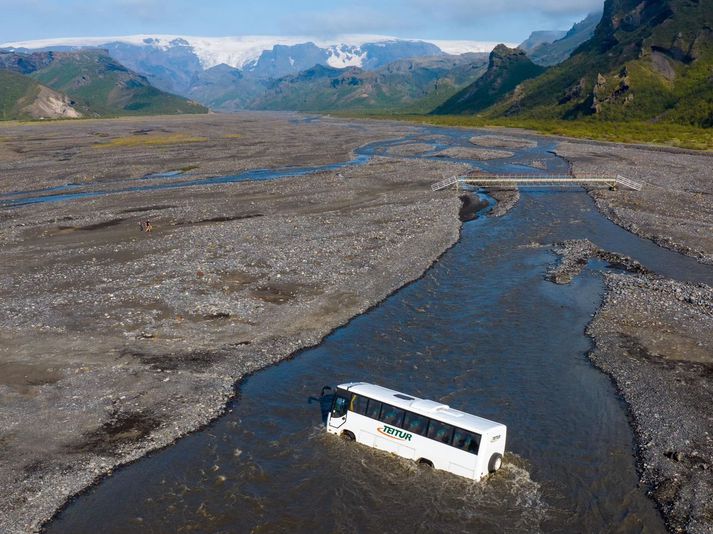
(482, 331)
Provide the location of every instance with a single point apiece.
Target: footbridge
(544, 180)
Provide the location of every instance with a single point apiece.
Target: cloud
(477, 9)
(343, 21)
(496, 19)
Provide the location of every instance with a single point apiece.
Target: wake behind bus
(425, 431)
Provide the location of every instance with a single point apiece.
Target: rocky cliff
(647, 60)
(507, 69)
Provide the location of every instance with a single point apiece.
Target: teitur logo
(394, 433)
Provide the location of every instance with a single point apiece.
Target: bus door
(340, 405)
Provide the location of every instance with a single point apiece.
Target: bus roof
(429, 408)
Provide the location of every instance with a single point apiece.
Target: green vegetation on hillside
(646, 61)
(103, 87)
(16, 92)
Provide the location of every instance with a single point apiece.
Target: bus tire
(495, 463)
(348, 436)
(424, 462)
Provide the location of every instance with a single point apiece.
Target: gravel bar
(675, 207)
(115, 341)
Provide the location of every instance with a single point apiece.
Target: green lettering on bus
(399, 434)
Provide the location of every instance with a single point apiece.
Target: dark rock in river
(472, 204)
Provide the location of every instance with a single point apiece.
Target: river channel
(482, 331)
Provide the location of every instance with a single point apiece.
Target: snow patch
(343, 55)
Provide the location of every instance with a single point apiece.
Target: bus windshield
(339, 408)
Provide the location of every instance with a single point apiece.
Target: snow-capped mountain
(242, 51)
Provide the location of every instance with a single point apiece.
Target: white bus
(422, 430)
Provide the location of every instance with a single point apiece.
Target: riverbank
(115, 341)
(653, 337)
(625, 132)
(674, 207)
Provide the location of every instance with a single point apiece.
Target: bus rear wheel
(348, 436)
(495, 463)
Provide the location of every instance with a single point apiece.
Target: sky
(480, 20)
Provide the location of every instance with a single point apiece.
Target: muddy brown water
(482, 331)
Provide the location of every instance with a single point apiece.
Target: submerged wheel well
(425, 461)
(348, 435)
(495, 462)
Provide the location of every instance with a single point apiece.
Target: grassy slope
(16, 91)
(103, 87)
(676, 135)
(675, 111)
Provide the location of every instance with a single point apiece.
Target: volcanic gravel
(473, 153)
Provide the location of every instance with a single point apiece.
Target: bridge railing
(631, 184)
(443, 184)
(525, 180)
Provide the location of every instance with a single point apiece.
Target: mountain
(557, 50)
(647, 60)
(539, 38)
(169, 68)
(22, 97)
(225, 88)
(507, 68)
(245, 52)
(413, 85)
(96, 84)
(188, 66)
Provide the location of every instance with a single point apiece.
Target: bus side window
(391, 415)
(358, 404)
(440, 431)
(340, 406)
(373, 409)
(416, 424)
(467, 441)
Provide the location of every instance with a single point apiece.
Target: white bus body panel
(379, 435)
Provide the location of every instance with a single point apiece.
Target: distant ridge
(539, 38)
(240, 51)
(507, 68)
(408, 85)
(557, 50)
